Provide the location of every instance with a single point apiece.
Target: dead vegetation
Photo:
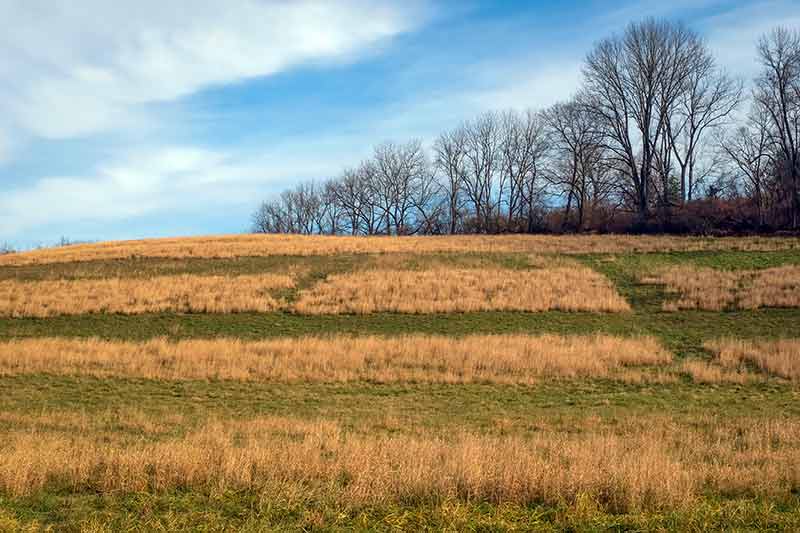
(512, 359)
(705, 372)
(266, 245)
(184, 293)
(745, 361)
(433, 290)
(779, 357)
(717, 290)
(446, 290)
(653, 463)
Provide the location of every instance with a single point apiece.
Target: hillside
(467, 382)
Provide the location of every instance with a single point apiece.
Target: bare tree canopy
(777, 98)
(579, 170)
(633, 83)
(649, 142)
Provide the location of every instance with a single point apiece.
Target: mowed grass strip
(502, 359)
(269, 245)
(184, 293)
(446, 290)
(651, 464)
(717, 290)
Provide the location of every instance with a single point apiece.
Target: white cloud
(538, 86)
(733, 35)
(74, 68)
(643, 9)
(148, 181)
(523, 83)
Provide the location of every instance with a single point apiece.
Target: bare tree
(748, 152)
(482, 155)
(352, 195)
(400, 171)
(632, 84)
(299, 210)
(271, 217)
(524, 145)
(334, 211)
(429, 203)
(637, 136)
(709, 98)
(580, 172)
(450, 159)
(777, 98)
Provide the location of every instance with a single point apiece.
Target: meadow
(467, 383)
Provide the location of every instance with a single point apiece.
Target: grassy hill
(500, 383)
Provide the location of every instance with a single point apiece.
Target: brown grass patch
(438, 359)
(716, 290)
(777, 357)
(705, 372)
(657, 465)
(444, 290)
(185, 293)
(265, 245)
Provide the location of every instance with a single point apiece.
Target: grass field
(244, 384)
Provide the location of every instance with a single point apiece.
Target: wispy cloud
(733, 34)
(72, 69)
(145, 181)
(91, 72)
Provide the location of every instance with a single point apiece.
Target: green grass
(366, 407)
(416, 406)
(190, 511)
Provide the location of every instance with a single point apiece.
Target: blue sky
(150, 118)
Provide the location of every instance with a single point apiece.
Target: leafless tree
(632, 84)
(450, 159)
(400, 174)
(777, 98)
(637, 135)
(271, 217)
(299, 210)
(580, 173)
(748, 152)
(352, 195)
(524, 145)
(483, 160)
(706, 103)
(333, 220)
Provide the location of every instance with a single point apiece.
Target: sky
(147, 118)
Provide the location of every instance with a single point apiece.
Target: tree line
(652, 141)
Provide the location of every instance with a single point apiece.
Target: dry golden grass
(777, 357)
(716, 290)
(443, 290)
(773, 287)
(264, 245)
(705, 372)
(655, 464)
(185, 293)
(439, 359)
